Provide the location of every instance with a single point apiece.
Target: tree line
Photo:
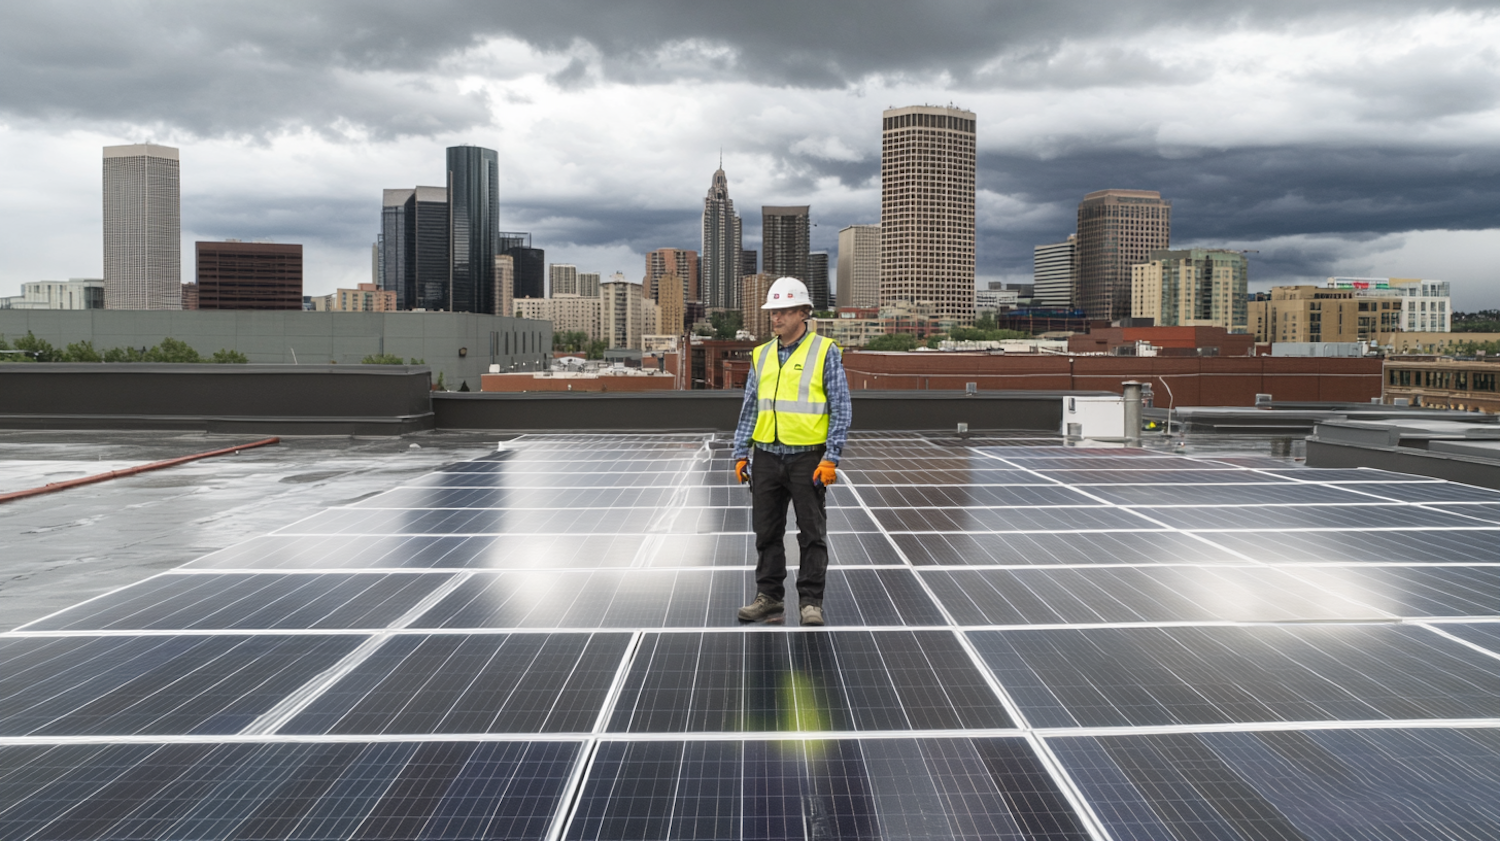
(33, 349)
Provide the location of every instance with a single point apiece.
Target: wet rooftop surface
(341, 638)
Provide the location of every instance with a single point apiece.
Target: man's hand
(825, 474)
(742, 470)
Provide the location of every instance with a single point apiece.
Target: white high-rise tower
(142, 228)
(719, 276)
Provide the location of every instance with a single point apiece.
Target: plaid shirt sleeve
(836, 387)
(749, 411)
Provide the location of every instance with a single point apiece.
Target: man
(796, 413)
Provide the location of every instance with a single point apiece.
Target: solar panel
(1025, 640)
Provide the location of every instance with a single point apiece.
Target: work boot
(763, 607)
(812, 615)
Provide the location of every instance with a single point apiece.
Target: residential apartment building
(681, 262)
(1193, 288)
(671, 309)
(142, 228)
(721, 253)
(505, 284)
(235, 275)
(1317, 314)
(1052, 273)
(588, 284)
(927, 208)
(625, 314)
(859, 266)
(366, 298)
(1116, 230)
(562, 279)
(1426, 305)
(568, 313)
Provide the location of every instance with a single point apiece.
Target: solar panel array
(1024, 641)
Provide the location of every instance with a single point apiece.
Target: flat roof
(1025, 639)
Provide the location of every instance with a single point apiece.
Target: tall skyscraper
(142, 228)
(785, 231)
(927, 209)
(1052, 273)
(720, 274)
(414, 247)
(473, 240)
(1116, 230)
(749, 261)
(234, 275)
(681, 262)
(817, 280)
(531, 264)
(859, 266)
(562, 279)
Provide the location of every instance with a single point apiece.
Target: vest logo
(798, 366)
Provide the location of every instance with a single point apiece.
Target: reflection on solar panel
(1024, 641)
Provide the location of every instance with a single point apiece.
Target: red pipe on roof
(131, 471)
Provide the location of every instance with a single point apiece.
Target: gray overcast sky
(1351, 138)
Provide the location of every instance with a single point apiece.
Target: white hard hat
(787, 292)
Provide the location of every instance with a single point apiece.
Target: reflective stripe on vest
(792, 411)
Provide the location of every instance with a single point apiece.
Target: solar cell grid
(250, 601)
(1134, 677)
(159, 685)
(625, 534)
(486, 683)
(1040, 549)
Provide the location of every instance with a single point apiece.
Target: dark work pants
(776, 480)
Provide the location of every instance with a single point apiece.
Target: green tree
(12, 357)
(570, 341)
(40, 349)
(225, 357)
(173, 350)
(382, 359)
(82, 352)
(129, 354)
(986, 321)
(892, 341)
(726, 324)
(595, 349)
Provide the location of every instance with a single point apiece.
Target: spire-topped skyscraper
(720, 273)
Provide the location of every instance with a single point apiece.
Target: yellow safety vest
(793, 406)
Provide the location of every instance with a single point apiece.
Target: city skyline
(1349, 148)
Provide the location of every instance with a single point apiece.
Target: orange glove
(826, 474)
(742, 470)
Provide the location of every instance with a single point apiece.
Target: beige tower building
(562, 279)
(1116, 230)
(927, 209)
(670, 308)
(568, 313)
(142, 228)
(682, 262)
(625, 314)
(505, 283)
(859, 266)
(753, 289)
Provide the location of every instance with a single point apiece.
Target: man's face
(787, 323)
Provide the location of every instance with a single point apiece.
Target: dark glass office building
(414, 247)
(473, 227)
(530, 264)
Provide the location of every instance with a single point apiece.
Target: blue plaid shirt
(835, 386)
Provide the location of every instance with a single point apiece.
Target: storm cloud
(1322, 135)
